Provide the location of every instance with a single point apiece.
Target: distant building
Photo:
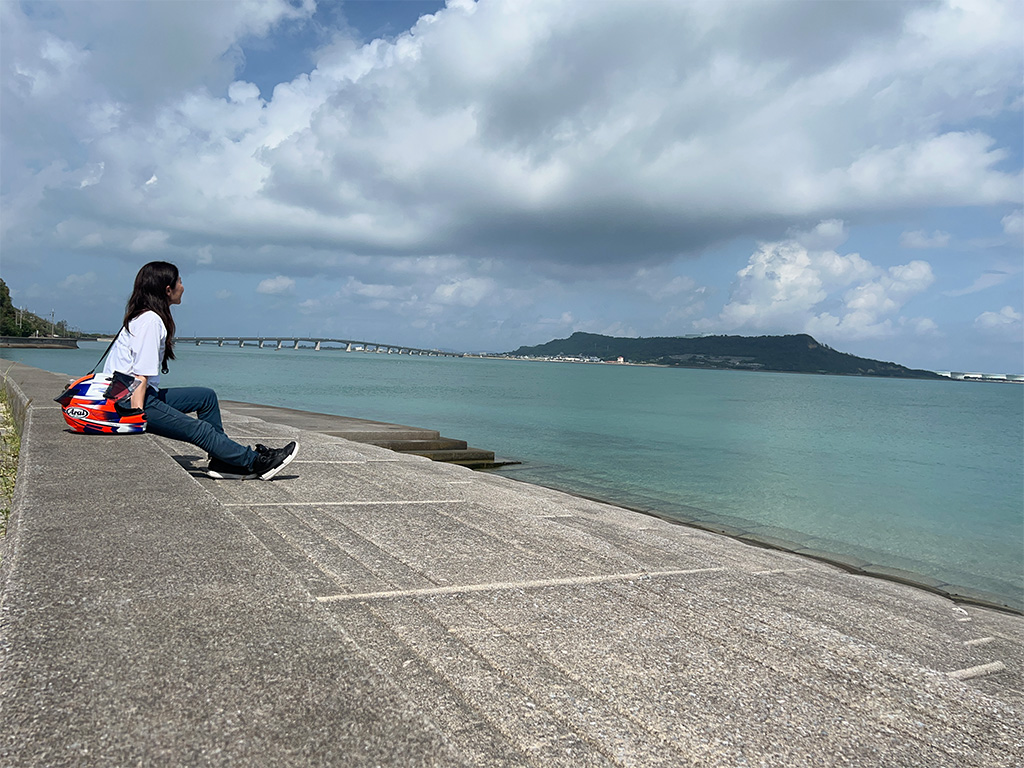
(1016, 378)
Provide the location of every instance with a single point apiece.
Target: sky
(476, 176)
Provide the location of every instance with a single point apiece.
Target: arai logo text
(77, 413)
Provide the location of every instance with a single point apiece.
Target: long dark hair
(150, 292)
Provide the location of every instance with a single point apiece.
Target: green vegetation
(20, 322)
(795, 354)
(10, 447)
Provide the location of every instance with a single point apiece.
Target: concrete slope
(403, 439)
(367, 607)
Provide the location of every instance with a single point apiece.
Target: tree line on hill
(22, 323)
(799, 353)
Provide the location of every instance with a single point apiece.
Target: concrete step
(376, 437)
(482, 464)
(357, 430)
(396, 437)
(474, 458)
(454, 454)
(408, 446)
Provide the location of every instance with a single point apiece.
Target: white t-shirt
(140, 350)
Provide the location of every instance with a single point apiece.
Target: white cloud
(784, 281)
(148, 242)
(1006, 319)
(1013, 223)
(464, 293)
(787, 287)
(91, 174)
(826, 236)
(920, 239)
(868, 309)
(377, 291)
(922, 326)
(555, 130)
(276, 285)
(988, 279)
(660, 284)
(78, 282)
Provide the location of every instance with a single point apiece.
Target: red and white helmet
(87, 409)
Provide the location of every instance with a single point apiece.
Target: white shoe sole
(288, 460)
(226, 476)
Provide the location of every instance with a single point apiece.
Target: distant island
(797, 353)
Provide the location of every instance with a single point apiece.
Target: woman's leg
(165, 416)
(202, 401)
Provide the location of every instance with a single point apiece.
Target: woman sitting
(143, 346)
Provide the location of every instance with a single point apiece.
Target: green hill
(19, 322)
(798, 353)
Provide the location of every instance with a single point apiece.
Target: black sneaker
(270, 461)
(221, 470)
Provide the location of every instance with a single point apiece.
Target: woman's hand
(139, 395)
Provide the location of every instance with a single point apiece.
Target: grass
(10, 446)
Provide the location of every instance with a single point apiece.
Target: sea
(924, 477)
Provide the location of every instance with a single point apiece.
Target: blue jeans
(165, 416)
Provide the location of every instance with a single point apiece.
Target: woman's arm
(139, 395)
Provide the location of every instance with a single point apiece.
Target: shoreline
(971, 378)
(849, 563)
(703, 519)
(40, 342)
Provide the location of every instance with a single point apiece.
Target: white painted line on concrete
(979, 641)
(777, 570)
(261, 438)
(978, 671)
(344, 461)
(329, 461)
(339, 503)
(506, 585)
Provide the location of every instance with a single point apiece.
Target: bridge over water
(295, 342)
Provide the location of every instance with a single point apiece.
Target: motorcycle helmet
(88, 409)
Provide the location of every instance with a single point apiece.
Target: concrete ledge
(141, 624)
(39, 342)
(372, 608)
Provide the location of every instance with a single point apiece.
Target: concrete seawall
(372, 608)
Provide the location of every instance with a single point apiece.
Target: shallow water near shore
(917, 475)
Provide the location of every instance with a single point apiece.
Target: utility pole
(53, 328)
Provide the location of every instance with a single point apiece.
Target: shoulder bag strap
(107, 350)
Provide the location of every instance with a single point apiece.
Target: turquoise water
(923, 476)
